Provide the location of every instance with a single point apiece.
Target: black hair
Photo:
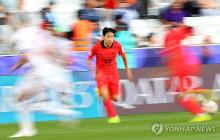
(106, 30)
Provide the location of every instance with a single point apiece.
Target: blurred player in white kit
(47, 55)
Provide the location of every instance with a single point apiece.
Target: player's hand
(129, 74)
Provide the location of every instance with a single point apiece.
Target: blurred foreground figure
(47, 80)
(182, 66)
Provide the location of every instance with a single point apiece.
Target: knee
(24, 95)
(115, 98)
(103, 91)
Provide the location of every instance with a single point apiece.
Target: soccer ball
(210, 106)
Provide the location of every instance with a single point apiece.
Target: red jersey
(179, 61)
(105, 57)
(174, 37)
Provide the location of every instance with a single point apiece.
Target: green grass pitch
(134, 127)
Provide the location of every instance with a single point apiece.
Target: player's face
(108, 38)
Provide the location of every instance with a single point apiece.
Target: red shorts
(181, 69)
(111, 81)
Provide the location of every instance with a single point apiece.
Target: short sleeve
(120, 49)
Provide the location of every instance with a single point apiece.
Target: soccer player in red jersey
(107, 75)
(181, 65)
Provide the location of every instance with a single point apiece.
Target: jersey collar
(103, 46)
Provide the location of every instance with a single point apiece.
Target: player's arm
(124, 57)
(128, 71)
(90, 65)
(19, 63)
(91, 54)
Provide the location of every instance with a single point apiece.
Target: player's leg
(114, 87)
(103, 91)
(180, 68)
(25, 91)
(191, 104)
(115, 91)
(109, 107)
(59, 88)
(115, 94)
(25, 122)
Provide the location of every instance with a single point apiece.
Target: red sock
(191, 105)
(110, 109)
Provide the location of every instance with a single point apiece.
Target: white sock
(24, 117)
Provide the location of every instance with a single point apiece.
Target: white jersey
(37, 45)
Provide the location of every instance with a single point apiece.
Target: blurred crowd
(138, 23)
